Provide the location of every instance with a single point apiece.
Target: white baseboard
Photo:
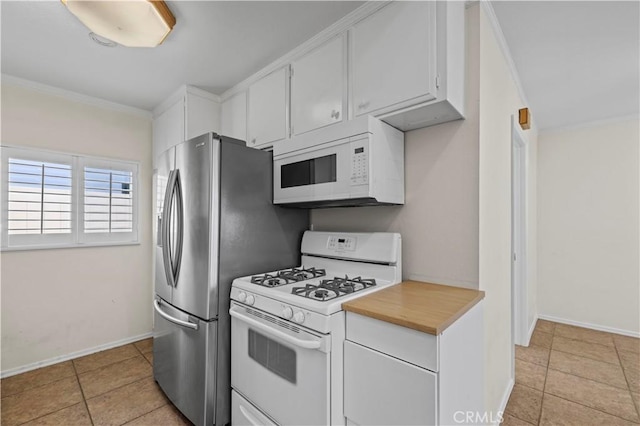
(591, 326)
(505, 400)
(73, 355)
(531, 329)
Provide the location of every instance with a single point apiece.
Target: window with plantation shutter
(39, 197)
(108, 200)
(60, 200)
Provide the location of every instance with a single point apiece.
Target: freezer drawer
(184, 362)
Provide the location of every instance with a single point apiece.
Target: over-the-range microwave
(355, 163)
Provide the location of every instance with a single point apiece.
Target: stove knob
(299, 317)
(250, 300)
(242, 296)
(287, 312)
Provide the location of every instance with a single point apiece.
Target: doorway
(519, 302)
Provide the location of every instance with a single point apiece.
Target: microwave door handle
(178, 233)
(166, 223)
(163, 314)
(305, 344)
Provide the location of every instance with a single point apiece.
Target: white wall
(62, 301)
(499, 101)
(589, 255)
(439, 221)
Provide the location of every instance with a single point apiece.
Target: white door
(317, 87)
(519, 237)
(267, 118)
(393, 57)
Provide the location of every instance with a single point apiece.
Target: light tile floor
(112, 387)
(575, 376)
(567, 376)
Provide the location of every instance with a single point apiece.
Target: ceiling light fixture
(131, 23)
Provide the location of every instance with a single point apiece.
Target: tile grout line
(624, 374)
(546, 373)
(142, 415)
(588, 406)
(36, 387)
(84, 399)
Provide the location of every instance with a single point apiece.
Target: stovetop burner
(287, 276)
(333, 288)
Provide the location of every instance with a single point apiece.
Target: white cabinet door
(267, 120)
(381, 390)
(317, 87)
(202, 116)
(168, 129)
(234, 117)
(393, 57)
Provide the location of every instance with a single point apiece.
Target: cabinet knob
(363, 104)
(335, 114)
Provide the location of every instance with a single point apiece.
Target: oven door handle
(306, 344)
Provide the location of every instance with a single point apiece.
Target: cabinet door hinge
(437, 82)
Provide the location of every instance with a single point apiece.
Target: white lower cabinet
(395, 375)
(403, 394)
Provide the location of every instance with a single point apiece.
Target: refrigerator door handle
(163, 314)
(166, 224)
(179, 232)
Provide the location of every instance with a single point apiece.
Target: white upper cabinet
(268, 110)
(187, 113)
(317, 87)
(234, 116)
(393, 57)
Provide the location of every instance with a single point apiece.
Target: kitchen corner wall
(589, 253)
(64, 301)
(499, 104)
(439, 221)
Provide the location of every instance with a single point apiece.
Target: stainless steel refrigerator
(215, 221)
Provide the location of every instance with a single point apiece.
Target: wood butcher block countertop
(426, 307)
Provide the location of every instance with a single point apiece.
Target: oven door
(281, 368)
(337, 170)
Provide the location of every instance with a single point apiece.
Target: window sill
(69, 246)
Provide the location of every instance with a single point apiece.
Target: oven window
(309, 172)
(273, 356)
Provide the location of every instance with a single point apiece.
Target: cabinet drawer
(381, 390)
(401, 342)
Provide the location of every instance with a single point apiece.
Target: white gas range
(288, 328)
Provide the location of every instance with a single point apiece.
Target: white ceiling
(578, 61)
(214, 45)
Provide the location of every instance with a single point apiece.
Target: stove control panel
(341, 243)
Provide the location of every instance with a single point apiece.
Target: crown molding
(335, 29)
(504, 47)
(73, 96)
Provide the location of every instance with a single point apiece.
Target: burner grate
(287, 276)
(333, 288)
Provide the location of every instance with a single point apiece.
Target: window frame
(77, 237)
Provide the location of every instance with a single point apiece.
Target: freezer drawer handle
(306, 344)
(156, 305)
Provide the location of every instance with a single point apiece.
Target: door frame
(519, 284)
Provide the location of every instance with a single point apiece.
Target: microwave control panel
(359, 163)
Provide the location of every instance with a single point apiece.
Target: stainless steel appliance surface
(288, 328)
(215, 221)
